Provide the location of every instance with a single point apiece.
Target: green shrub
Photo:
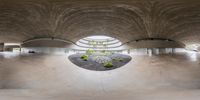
(103, 51)
(108, 64)
(90, 52)
(84, 57)
(121, 60)
(106, 53)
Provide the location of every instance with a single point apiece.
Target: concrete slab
(54, 77)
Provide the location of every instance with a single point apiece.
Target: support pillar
(1, 47)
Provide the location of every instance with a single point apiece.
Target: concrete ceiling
(126, 20)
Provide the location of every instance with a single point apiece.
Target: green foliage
(84, 57)
(90, 52)
(103, 51)
(108, 64)
(106, 53)
(93, 43)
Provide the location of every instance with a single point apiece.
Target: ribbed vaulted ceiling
(125, 20)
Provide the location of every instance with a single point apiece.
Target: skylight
(99, 42)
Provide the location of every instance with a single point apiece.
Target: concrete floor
(54, 77)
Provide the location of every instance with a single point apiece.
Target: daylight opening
(99, 43)
(101, 53)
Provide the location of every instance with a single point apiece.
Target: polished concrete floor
(54, 77)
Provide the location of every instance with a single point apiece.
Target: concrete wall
(46, 46)
(46, 43)
(46, 50)
(11, 47)
(155, 44)
(153, 51)
(1, 47)
(198, 48)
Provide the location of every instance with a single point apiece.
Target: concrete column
(150, 52)
(173, 50)
(155, 51)
(1, 47)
